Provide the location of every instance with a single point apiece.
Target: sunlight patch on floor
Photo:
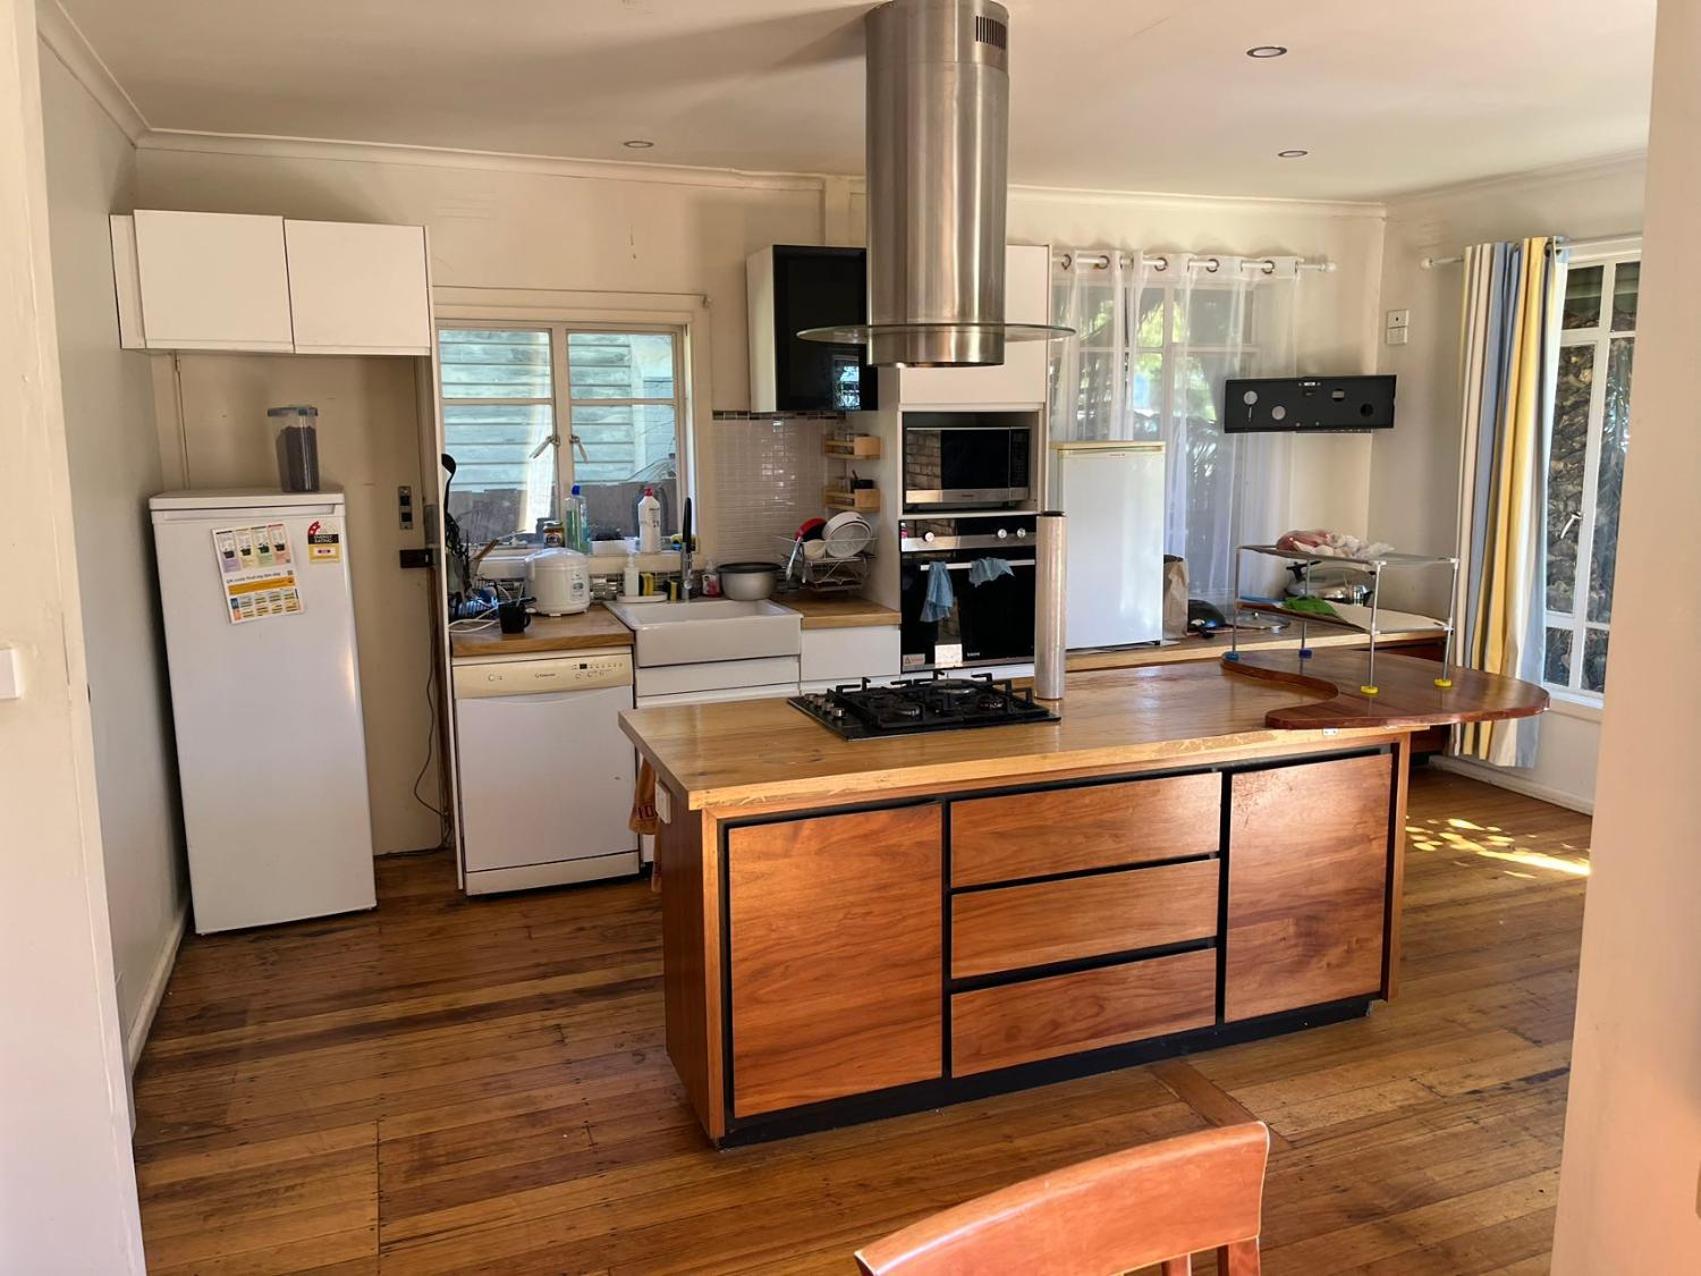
(1495, 844)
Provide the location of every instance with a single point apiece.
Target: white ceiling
(1151, 95)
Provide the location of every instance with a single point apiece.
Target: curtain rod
(1430, 263)
(1101, 261)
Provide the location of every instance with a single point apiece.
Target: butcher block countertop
(588, 630)
(1195, 648)
(749, 751)
(765, 751)
(832, 611)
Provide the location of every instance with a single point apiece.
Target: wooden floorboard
(450, 1085)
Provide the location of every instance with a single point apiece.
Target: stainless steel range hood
(938, 140)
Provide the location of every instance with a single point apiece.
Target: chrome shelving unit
(1373, 567)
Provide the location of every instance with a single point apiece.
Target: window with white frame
(529, 411)
(1586, 450)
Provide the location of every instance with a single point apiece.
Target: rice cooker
(560, 582)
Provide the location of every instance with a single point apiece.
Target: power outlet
(404, 507)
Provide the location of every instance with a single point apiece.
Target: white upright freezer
(265, 697)
(1113, 495)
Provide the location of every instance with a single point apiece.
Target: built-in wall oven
(982, 612)
(970, 461)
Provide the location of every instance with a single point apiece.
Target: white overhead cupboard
(1020, 381)
(239, 282)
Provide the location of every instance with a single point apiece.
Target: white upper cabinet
(358, 289)
(225, 281)
(1020, 381)
(212, 281)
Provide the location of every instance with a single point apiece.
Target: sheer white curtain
(1157, 335)
(1230, 317)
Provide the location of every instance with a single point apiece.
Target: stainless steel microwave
(970, 460)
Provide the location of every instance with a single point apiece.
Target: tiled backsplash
(767, 474)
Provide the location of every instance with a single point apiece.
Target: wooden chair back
(1158, 1203)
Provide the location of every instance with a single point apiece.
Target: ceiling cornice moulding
(66, 41)
(1571, 171)
(490, 161)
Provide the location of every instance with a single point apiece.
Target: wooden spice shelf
(862, 499)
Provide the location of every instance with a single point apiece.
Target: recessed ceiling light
(1266, 51)
(1292, 154)
(638, 144)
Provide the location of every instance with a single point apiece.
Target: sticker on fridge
(324, 544)
(257, 571)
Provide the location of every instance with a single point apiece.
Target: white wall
(67, 1184)
(1630, 1183)
(1414, 472)
(115, 467)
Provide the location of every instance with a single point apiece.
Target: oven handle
(1013, 562)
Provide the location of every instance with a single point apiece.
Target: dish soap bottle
(649, 523)
(629, 579)
(578, 530)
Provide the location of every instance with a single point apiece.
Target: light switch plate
(1397, 336)
(11, 674)
(1399, 318)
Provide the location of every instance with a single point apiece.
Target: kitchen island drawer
(1067, 1014)
(1003, 838)
(1010, 927)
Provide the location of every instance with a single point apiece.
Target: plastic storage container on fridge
(298, 447)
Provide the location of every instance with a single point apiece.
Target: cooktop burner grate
(865, 710)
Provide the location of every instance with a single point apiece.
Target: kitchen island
(852, 929)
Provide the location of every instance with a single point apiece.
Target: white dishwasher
(545, 773)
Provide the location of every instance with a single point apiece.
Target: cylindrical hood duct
(938, 137)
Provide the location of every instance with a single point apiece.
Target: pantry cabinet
(242, 282)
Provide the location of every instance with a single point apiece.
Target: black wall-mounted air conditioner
(1266, 405)
(793, 287)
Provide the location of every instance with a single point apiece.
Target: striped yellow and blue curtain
(1511, 331)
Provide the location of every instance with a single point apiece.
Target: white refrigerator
(1113, 495)
(265, 697)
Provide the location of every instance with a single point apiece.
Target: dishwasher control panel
(543, 675)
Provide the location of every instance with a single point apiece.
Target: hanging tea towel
(940, 596)
(985, 569)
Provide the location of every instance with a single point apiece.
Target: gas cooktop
(867, 710)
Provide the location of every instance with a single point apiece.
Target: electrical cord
(431, 752)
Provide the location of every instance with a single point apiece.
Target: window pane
(1582, 297)
(626, 448)
(1627, 278)
(1609, 484)
(1556, 663)
(1565, 473)
(1149, 388)
(494, 365)
(1212, 317)
(1095, 397)
(1150, 323)
(499, 488)
(620, 365)
(1595, 660)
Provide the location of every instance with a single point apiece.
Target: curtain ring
(1160, 263)
(1212, 266)
(1102, 265)
(1068, 262)
(1269, 265)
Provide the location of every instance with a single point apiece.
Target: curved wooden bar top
(1406, 697)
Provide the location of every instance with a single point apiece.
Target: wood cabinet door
(358, 289)
(1307, 884)
(836, 938)
(213, 281)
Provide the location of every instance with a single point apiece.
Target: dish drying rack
(1373, 567)
(823, 575)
